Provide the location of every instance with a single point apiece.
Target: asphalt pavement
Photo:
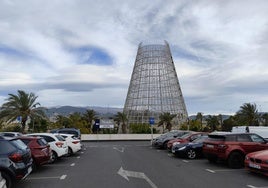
(135, 164)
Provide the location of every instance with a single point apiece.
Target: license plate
(253, 165)
(210, 146)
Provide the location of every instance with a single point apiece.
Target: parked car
(2, 182)
(189, 137)
(257, 162)
(40, 149)
(10, 134)
(57, 144)
(73, 131)
(191, 150)
(74, 144)
(15, 160)
(161, 141)
(232, 147)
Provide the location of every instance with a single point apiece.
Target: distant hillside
(67, 110)
(224, 117)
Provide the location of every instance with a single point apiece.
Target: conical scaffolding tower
(154, 86)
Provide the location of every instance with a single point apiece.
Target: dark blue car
(189, 150)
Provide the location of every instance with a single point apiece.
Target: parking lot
(136, 164)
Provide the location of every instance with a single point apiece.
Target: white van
(260, 130)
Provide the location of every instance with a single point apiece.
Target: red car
(257, 162)
(40, 150)
(189, 137)
(232, 147)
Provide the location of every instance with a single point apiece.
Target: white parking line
(63, 177)
(223, 170)
(252, 186)
(212, 171)
(42, 178)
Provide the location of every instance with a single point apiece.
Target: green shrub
(141, 128)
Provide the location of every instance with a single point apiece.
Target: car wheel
(165, 145)
(236, 160)
(8, 179)
(191, 154)
(70, 151)
(53, 156)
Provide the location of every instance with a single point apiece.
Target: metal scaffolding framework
(154, 86)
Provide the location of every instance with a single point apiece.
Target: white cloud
(219, 49)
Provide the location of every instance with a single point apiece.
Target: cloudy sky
(82, 53)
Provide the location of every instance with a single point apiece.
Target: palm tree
(22, 105)
(248, 114)
(89, 116)
(166, 120)
(199, 117)
(121, 118)
(212, 122)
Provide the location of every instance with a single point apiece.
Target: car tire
(70, 151)
(165, 145)
(8, 179)
(54, 157)
(191, 154)
(236, 160)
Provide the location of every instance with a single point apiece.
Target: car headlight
(182, 148)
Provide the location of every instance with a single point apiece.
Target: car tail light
(59, 144)
(75, 142)
(16, 157)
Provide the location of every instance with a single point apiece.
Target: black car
(15, 160)
(73, 131)
(190, 150)
(161, 141)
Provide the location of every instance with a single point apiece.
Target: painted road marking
(42, 178)
(72, 164)
(212, 171)
(78, 157)
(63, 177)
(185, 161)
(126, 173)
(223, 170)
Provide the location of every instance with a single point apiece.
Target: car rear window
(6, 147)
(18, 143)
(60, 138)
(25, 141)
(68, 132)
(42, 142)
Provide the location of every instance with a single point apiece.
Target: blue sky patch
(92, 55)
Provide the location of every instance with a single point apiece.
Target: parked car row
(237, 150)
(22, 154)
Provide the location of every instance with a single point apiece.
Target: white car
(74, 144)
(56, 142)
